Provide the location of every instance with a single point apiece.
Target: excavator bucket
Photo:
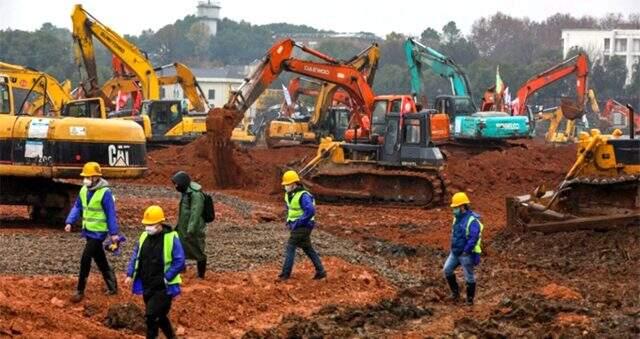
(570, 109)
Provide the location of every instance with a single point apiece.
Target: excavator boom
(420, 56)
(578, 65)
(187, 81)
(85, 27)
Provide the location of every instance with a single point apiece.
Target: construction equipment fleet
(400, 166)
(35, 152)
(164, 121)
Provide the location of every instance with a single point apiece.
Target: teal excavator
(468, 125)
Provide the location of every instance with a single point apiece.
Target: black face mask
(181, 181)
(181, 189)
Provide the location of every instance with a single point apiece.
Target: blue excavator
(468, 125)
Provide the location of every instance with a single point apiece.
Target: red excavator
(405, 168)
(616, 115)
(578, 65)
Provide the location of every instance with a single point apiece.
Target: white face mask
(87, 182)
(289, 188)
(151, 229)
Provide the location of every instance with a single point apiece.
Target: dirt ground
(384, 263)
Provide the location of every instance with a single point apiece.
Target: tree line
(520, 46)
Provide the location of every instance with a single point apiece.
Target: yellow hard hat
(459, 199)
(290, 177)
(91, 169)
(153, 215)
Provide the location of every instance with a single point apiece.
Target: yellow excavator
(164, 121)
(556, 117)
(48, 95)
(36, 152)
(600, 191)
(323, 121)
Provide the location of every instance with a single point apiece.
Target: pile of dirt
(339, 321)
(531, 316)
(126, 316)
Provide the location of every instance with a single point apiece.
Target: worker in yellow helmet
(96, 206)
(466, 239)
(154, 269)
(300, 221)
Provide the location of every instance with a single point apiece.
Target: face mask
(289, 188)
(457, 211)
(151, 230)
(87, 182)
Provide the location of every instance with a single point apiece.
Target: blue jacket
(460, 242)
(308, 209)
(177, 266)
(109, 207)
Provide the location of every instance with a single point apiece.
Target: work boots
(453, 285)
(471, 293)
(202, 268)
(111, 282)
(77, 297)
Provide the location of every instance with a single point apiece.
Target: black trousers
(157, 306)
(92, 250)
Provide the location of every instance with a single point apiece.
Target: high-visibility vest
(478, 247)
(294, 210)
(94, 218)
(167, 254)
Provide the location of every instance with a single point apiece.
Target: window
(4, 99)
(212, 94)
(163, 93)
(412, 131)
(636, 45)
(607, 45)
(621, 45)
(396, 106)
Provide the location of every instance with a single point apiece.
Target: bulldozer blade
(590, 223)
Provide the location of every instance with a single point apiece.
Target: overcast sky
(403, 16)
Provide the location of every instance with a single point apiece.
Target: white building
(209, 14)
(601, 45)
(216, 83)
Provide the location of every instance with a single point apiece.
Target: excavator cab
(165, 116)
(407, 141)
(84, 108)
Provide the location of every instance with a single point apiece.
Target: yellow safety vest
(294, 210)
(94, 218)
(167, 254)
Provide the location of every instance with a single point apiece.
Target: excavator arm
(187, 81)
(279, 59)
(366, 62)
(48, 87)
(85, 27)
(578, 65)
(420, 57)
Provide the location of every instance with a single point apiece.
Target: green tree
(430, 37)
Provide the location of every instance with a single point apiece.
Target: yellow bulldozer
(600, 191)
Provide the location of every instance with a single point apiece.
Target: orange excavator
(405, 168)
(578, 65)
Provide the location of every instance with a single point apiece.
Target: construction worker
(96, 206)
(300, 221)
(191, 225)
(154, 269)
(466, 238)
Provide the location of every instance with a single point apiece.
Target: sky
(380, 17)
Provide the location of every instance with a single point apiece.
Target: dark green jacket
(190, 220)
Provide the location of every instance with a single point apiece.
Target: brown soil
(225, 304)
